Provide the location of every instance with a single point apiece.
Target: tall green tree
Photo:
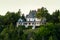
(23, 17)
(56, 16)
(11, 17)
(43, 12)
(18, 13)
(43, 32)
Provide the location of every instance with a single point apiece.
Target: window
(29, 23)
(34, 19)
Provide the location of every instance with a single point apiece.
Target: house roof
(32, 14)
(21, 20)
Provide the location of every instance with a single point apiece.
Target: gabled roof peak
(31, 14)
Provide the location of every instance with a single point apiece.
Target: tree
(52, 38)
(20, 32)
(42, 32)
(57, 28)
(43, 13)
(55, 16)
(18, 13)
(12, 17)
(23, 17)
(53, 32)
(4, 34)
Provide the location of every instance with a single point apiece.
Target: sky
(27, 5)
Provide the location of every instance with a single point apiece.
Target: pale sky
(27, 5)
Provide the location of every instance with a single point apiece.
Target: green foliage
(52, 38)
(29, 27)
(43, 13)
(48, 31)
(56, 16)
(10, 17)
(23, 17)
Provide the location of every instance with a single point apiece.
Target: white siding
(32, 19)
(37, 19)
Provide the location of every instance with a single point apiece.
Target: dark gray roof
(32, 14)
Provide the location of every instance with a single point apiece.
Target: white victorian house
(31, 20)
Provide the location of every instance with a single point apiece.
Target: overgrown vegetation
(48, 31)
